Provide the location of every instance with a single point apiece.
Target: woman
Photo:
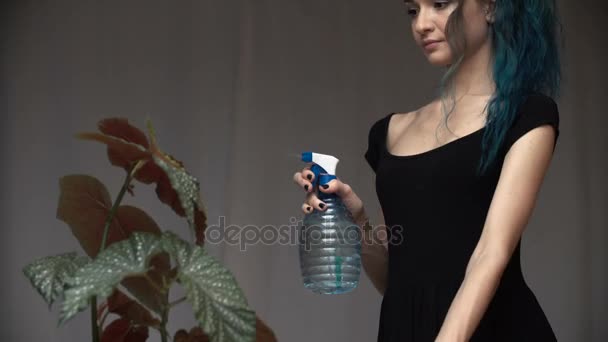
(457, 194)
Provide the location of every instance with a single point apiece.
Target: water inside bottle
(330, 250)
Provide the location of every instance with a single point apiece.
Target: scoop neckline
(425, 153)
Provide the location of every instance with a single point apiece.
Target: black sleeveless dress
(435, 207)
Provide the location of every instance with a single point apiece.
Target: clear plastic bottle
(329, 240)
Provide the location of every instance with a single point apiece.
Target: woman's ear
(490, 11)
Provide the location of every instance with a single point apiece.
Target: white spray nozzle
(327, 162)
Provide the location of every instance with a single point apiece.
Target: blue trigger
(324, 179)
(317, 170)
(321, 176)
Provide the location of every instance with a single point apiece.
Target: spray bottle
(329, 240)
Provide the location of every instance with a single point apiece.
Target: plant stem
(152, 283)
(163, 324)
(103, 318)
(110, 217)
(106, 229)
(176, 302)
(94, 326)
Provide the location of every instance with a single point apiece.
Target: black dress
(434, 208)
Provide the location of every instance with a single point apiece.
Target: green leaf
(187, 188)
(100, 277)
(218, 303)
(48, 275)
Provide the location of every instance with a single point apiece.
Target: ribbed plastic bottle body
(330, 249)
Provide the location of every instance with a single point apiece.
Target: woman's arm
(374, 254)
(520, 180)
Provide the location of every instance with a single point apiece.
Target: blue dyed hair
(525, 36)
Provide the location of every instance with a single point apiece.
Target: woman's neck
(474, 76)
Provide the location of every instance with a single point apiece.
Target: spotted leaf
(49, 275)
(219, 305)
(99, 278)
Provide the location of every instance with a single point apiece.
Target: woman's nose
(424, 22)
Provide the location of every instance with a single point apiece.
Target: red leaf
(116, 331)
(121, 330)
(121, 153)
(196, 334)
(137, 334)
(128, 145)
(147, 293)
(120, 128)
(181, 336)
(200, 220)
(132, 146)
(84, 203)
(263, 333)
(168, 195)
(127, 308)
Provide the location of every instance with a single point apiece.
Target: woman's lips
(432, 45)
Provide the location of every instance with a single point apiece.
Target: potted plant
(131, 264)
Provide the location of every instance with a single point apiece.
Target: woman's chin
(439, 58)
(439, 61)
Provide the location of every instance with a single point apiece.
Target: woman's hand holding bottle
(351, 201)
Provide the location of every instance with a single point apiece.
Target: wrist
(361, 219)
(366, 229)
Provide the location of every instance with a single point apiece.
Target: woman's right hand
(350, 199)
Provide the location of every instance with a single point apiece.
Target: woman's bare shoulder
(403, 120)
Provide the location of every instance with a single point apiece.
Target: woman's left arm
(521, 177)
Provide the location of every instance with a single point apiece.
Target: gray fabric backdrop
(236, 90)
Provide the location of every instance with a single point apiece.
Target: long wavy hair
(525, 52)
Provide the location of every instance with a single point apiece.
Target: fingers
(309, 175)
(336, 186)
(299, 179)
(313, 202)
(306, 208)
(304, 179)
